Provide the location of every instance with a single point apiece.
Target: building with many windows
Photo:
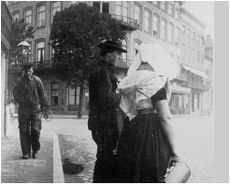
(208, 63)
(164, 22)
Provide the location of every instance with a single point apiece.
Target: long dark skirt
(144, 150)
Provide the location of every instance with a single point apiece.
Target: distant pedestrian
(103, 103)
(29, 94)
(10, 116)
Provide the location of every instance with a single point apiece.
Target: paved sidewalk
(40, 170)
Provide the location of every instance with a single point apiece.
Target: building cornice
(185, 11)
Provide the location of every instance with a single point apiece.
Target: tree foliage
(75, 33)
(19, 32)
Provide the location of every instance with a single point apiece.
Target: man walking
(103, 102)
(29, 94)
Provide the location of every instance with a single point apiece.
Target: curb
(58, 174)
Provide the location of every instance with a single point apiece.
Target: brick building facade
(165, 22)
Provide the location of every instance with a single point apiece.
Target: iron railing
(127, 21)
(37, 65)
(43, 64)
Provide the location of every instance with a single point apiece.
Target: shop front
(180, 100)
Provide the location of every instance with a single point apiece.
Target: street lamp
(25, 48)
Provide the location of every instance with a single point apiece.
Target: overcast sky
(203, 10)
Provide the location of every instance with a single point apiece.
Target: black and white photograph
(107, 92)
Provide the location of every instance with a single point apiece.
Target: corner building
(164, 22)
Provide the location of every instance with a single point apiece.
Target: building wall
(188, 51)
(5, 46)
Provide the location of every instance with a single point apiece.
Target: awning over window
(180, 90)
(196, 72)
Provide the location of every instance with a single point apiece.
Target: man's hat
(112, 44)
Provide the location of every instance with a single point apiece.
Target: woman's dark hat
(112, 44)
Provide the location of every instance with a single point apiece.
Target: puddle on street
(71, 168)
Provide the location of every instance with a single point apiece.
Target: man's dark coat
(103, 120)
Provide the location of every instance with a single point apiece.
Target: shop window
(54, 93)
(74, 95)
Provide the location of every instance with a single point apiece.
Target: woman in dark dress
(146, 143)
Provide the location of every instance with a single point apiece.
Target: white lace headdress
(143, 84)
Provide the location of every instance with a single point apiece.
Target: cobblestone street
(193, 135)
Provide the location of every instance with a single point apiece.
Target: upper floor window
(183, 50)
(189, 33)
(137, 14)
(55, 7)
(28, 17)
(189, 53)
(156, 23)
(122, 10)
(201, 40)
(16, 17)
(102, 6)
(136, 46)
(193, 54)
(105, 7)
(170, 9)
(183, 29)
(193, 36)
(163, 5)
(198, 39)
(170, 33)
(125, 10)
(198, 57)
(40, 51)
(176, 35)
(124, 45)
(163, 29)
(41, 16)
(73, 2)
(176, 13)
(147, 21)
(156, 3)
